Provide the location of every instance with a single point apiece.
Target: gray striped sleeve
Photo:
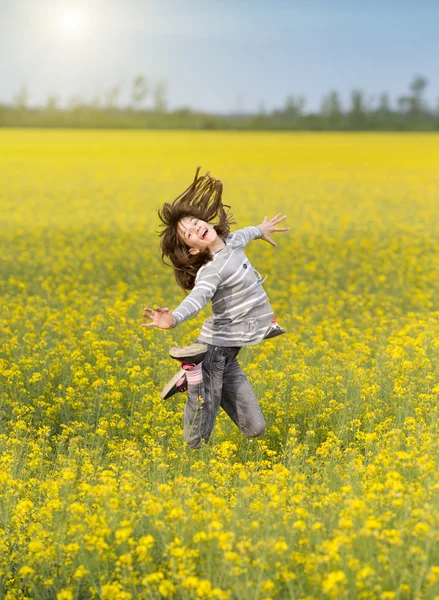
(242, 237)
(205, 287)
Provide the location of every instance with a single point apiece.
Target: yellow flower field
(99, 496)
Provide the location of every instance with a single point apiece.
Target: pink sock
(194, 373)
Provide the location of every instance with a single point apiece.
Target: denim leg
(239, 400)
(204, 399)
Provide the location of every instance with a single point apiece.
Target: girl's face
(197, 234)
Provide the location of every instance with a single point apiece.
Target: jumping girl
(210, 261)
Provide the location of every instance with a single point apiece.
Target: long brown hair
(202, 200)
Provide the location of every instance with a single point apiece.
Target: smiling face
(198, 234)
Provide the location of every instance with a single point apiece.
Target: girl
(211, 262)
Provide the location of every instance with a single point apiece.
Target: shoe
(192, 354)
(177, 384)
(187, 356)
(274, 331)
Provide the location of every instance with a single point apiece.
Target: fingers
(269, 240)
(281, 229)
(277, 219)
(161, 310)
(150, 312)
(153, 314)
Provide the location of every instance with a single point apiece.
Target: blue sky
(220, 55)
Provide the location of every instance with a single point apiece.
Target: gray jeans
(224, 384)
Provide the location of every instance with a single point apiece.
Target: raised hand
(269, 227)
(160, 317)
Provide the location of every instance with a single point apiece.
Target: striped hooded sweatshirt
(242, 315)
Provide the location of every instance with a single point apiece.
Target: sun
(72, 22)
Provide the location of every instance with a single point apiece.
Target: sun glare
(72, 22)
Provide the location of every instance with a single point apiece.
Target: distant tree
(160, 91)
(362, 112)
(52, 102)
(139, 90)
(417, 88)
(331, 108)
(112, 96)
(75, 102)
(21, 99)
(95, 102)
(418, 85)
(404, 104)
(294, 106)
(358, 110)
(414, 105)
(383, 108)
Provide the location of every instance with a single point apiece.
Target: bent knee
(255, 430)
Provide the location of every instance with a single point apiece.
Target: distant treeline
(411, 112)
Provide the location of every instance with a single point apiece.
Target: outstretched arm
(242, 237)
(263, 231)
(202, 292)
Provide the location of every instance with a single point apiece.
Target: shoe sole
(278, 330)
(170, 389)
(193, 353)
